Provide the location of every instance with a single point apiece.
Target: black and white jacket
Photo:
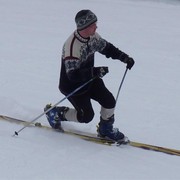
(78, 60)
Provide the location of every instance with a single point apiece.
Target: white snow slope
(32, 34)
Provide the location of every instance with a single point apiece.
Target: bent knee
(86, 117)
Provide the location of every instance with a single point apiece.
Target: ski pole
(66, 97)
(121, 84)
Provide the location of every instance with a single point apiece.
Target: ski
(155, 148)
(79, 134)
(94, 138)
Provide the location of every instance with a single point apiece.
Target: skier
(77, 67)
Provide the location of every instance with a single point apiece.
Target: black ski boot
(106, 130)
(62, 110)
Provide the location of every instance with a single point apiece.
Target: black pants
(97, 92)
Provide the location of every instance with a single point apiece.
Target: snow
(32, 34)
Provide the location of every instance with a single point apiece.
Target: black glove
(128, 60)
(99, 71)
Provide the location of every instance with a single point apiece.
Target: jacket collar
(80, 38)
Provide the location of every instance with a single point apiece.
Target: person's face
(91, 29)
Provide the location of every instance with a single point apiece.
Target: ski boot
(62, 110)
(55, 116)
(106, 130)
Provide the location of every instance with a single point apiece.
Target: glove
(128, 60)
(99, 71)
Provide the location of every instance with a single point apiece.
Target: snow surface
(32, 34)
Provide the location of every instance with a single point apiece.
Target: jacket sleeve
(111, 51)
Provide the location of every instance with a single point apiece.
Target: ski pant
(84, 112)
